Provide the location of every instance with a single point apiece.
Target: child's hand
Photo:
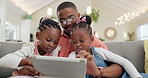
(92, 69)
(25, 62)
(28, 71)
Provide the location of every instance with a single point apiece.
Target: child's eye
(48, 40)
(82, 41)
(74, 42)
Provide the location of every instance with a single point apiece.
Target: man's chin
(68, 31)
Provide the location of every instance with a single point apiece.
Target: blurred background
(113, 20)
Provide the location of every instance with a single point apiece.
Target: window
(143, 32)
(11, 31)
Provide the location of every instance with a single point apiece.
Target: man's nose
(68, 23)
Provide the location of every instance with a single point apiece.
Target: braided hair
(46, 22)
(84, 25)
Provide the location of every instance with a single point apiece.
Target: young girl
(81, 39)
(48, 36)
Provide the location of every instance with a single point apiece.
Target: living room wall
(138, 21)
(3, 5)
(11, 14)
(15, 16)
(107, 19)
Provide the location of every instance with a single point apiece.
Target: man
(68, 16)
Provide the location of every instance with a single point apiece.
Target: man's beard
(67, 32)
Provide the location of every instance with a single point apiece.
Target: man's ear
(92, 39)
(78, 14)
(38, 35)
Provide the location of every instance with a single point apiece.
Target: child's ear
(38, 35)
(92, 39)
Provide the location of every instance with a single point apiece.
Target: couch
(5, 48)
(132, 50)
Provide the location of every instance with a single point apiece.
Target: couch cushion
(5, 48)
(132, 50)
(8, 47)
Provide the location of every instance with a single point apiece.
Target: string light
(88, 10)
(125, 18)
(49, 11)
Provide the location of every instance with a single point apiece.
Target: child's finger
(31, 70)
(78, 56)
(29, 62)
(82, 51)
(89, 57)
(25, 72)
(85, 54)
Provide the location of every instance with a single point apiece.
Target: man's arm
(114, 70)
(98, 43)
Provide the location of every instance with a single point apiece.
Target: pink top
(36, 50)
(67, 48)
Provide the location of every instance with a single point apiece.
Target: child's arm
(13, 60)
(92, 69)
(112, 71)
(125, 63)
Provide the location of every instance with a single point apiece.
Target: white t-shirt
(12, 60)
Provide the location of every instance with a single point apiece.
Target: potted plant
(95, 15)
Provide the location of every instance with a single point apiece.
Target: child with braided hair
(48, 35)
(81, 37)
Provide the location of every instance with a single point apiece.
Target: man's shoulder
(98, 43)
(63, 40)
(97, 39)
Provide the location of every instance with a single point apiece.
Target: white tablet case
(60, 67)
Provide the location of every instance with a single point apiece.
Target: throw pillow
(146, 55)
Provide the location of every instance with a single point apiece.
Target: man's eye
(82, 41)
(63, 21)
(70, 19)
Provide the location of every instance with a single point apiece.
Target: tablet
(60, 67)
